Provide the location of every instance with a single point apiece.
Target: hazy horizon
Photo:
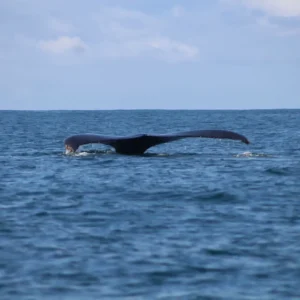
(152, 109)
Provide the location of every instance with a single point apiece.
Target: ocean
(192, 219)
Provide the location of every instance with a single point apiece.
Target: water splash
(89, 152)
(251, 154)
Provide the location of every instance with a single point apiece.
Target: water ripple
(195, 219)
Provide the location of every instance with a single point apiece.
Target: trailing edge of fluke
(138, 144)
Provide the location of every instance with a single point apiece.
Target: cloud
(277, 17)
(119, 33)
(113, 32)
(63, 44)
(173, 50)
(278, 8)
(129, 33)
(278, 29)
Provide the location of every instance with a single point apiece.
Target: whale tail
(138, 144)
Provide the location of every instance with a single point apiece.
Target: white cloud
(111, 31)
(280, 8)
(274, 14)
(128, 33)
(276, 28)
(63, 44)
(174, 49)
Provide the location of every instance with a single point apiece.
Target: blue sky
(138, 54)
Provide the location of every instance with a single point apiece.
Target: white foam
(67, 152)
(247, 153)
(82, 154)
(251, 154)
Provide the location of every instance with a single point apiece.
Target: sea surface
(192, 219)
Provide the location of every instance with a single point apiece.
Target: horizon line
(152, 109)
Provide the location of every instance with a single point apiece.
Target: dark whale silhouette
(138, 144)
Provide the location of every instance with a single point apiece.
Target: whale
(138, 144)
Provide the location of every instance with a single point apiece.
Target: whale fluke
(138, 144)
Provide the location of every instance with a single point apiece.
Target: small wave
(171, 155)
(219, 252)
(17, 204)
(156, 154)
(251, 154)
(219, 196)
(37, 153)
(279, 171)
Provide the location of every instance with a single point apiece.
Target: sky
(149, 54)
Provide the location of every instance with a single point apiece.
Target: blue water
(192, 219)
